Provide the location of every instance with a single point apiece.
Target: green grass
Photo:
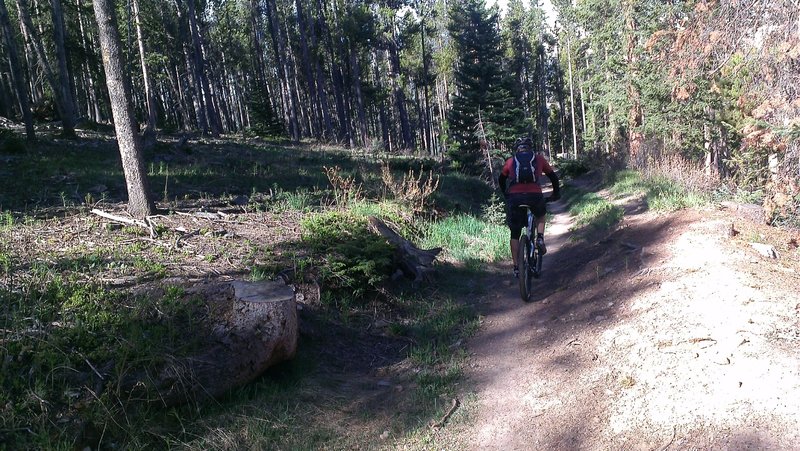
(591, 211)
(466, 238)
(60, 324)
(661, 193)
(59, 333)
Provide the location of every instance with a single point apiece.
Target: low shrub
(349, 258)
(11, 143)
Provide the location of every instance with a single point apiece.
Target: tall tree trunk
(41, 56)
(281, 55)
(319, 77)
(93, 107)
(150, 129)
(336, 76)
(363, 134)
(399, 95)
(140, 203)
(384, 122)
(428, 123)
(193, 91)
(543, 112)
(65, 84)
(200, 69)
(16, 73)
(572, 99)
(635, 136)
(302, 25)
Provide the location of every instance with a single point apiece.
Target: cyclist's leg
(540, 213)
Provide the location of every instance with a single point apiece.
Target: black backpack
(524, 167)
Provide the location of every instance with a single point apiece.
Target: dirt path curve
(663, 334)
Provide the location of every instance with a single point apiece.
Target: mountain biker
(522, 171)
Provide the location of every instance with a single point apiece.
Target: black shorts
(517, 217)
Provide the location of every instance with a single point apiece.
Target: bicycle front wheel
(525, 269)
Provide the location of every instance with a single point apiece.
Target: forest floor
(668, 332)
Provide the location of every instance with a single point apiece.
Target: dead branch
(120, 219)
(444, 419)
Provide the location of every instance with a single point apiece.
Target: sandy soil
(665, 333)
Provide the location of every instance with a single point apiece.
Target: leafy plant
(351, 259)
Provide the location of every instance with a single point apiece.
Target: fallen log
(414, 262)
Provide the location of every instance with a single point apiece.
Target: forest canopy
(633, 80)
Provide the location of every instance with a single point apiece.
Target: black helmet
(523, 141)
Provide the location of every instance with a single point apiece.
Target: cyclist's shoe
(540, 245)
(516, 272)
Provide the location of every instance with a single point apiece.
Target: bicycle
(528, 257)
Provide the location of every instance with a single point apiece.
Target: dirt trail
(665, 333)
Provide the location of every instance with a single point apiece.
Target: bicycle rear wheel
(525, 269)
(536, 263)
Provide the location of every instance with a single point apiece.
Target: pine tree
(481, 87)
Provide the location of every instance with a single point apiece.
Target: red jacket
(542, 167)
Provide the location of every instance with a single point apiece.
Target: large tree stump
(255, 329)
(414, 262)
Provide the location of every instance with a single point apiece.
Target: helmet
(523, 141)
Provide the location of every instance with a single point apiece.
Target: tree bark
(363, 134)
(302, 25)
(150, 129)
(41, 56)
(572, 100)
(67, 99)
(93, 107)
(200, 69)
(279, 45)
(140, 203)
(336, 76)
(399, 95)
(17, 73)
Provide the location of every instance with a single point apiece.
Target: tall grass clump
(466, 238)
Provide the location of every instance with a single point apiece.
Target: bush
(11, 143)
(571, 168)
(349, 257)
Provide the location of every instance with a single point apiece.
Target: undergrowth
(71, 344)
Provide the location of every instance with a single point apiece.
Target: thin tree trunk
(200, 69)
(384, 123)
(17, 74)
(635, 137)
(302, 25)
(363, 137)
(279, 45)
(399, 95)
(543, 112)
(140, 203)
(336, 76)
(41, 56)
(150, 129)
(93, 107)
(65, 85)
(572, 100)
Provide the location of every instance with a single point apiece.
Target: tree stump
(254, 329)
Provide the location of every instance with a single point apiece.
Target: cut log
(255, 328)
(415, 263)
